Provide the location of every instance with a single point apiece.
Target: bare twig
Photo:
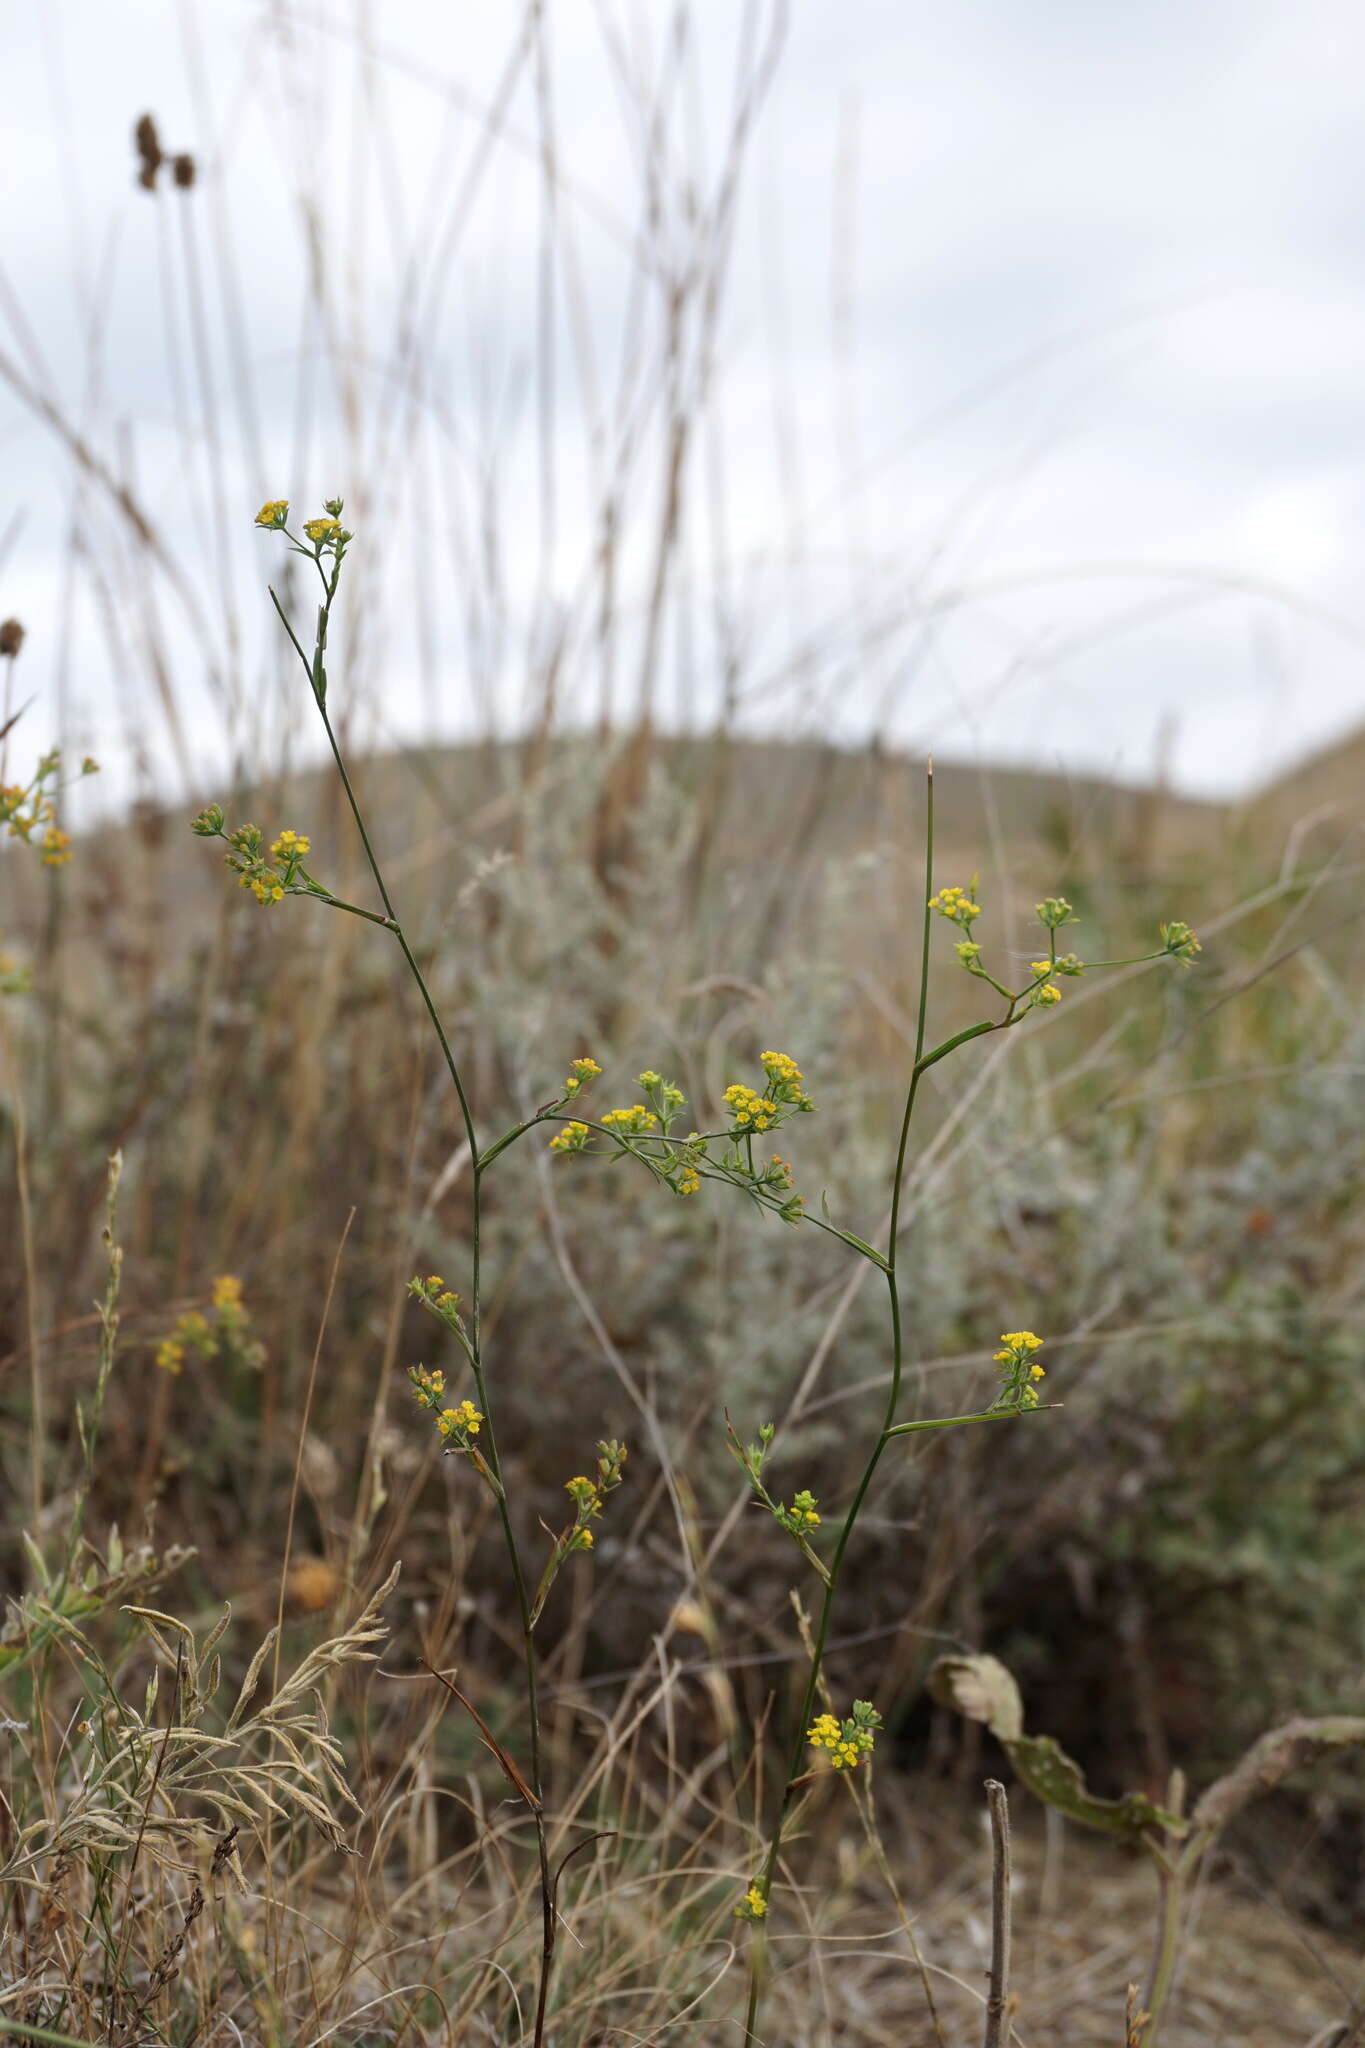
(997, 2001)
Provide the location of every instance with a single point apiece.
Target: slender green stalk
(889, 1429)
(392, 922)
(1174, 1874)
(1173, 1879)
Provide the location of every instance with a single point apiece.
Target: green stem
(338, 903)
(392, 921)
(758, 1957)
(956, 1421)
(1174, 1880)
(1168, 1942)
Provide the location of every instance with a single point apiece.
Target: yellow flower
(689, 1180)
(290, 846)
(1018, 1369)
(56, 848)
(957, 905)
(460, 1422)
(170, 1355)
(753, 1906)
(802, 1516)
(227, 1291)
(750, 1110)
(572, 1138)
(636, 1120)
(1048, 993)
(274, 512)
(320, 530)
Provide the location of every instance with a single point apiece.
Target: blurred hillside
(1166, 1178)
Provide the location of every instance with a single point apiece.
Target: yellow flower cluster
(223, 1340)
(801, 1517)
(587, 1502)
(24, 807)
(847, 1742)
(246, 856)
(1019, 1368)
(957, 905)
(1018, 1340)
(435, 1295)
(324, 532)
(1044, 990)
(581, 1072)
(749, 1111)
(753, 1906)
(587, 1495)
(573, 1137)
(689, 1180)
(785, 1093)
(636, 1121)
(459, 1424)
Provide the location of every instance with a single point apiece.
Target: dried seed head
(147, 143)
(11, 637)
(182, 170)
(313, 1584)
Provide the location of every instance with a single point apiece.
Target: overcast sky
(1030, 426)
